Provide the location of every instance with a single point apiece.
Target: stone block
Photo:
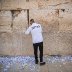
(9, 4)
(5, 28)
(48, 19)
(5, 18)
(58, 43)
(20, 22)
(23, 4)
(65, 21)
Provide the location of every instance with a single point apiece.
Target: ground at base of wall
(27, 64)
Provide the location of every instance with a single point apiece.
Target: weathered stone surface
(52, 4)
(9, 4)
(5, 17)
(20, 22)
(48, 19)
(55, 16)
(32, 4)
(58, 43)
(19, 4)
(28, 5)
(15, 44)
(23, 4)
(65, 20)
(5, 21)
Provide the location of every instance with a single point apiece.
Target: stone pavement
(26, 64)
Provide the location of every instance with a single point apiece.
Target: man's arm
(28, 30)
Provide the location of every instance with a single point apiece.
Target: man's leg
(41, 53)
(35, 52)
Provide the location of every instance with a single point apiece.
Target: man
(36, 32)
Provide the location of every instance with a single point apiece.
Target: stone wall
(55, 16)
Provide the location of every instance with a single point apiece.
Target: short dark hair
(31, 20)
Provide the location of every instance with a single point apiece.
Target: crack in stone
(2, 25)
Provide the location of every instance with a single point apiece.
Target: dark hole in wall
(63, 10)
(12, 12)
(28, 16)
(0, 0)
(27, 0)
(46, 0)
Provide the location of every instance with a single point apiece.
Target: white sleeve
(28, 30)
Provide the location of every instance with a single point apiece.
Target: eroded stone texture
(20, 21)
(5, 21)
(58, 43)
(9, 4)
(55, 16)
(65, 19)
(48, 19)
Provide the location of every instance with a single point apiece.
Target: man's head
(31, 21)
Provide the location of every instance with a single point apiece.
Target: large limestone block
(33, 5)
(58, 2)
(27, 45)
(19, 4)
(28, 4)
(5, 18)
(5, 43)
(5, 21)
(67, 6)
(5, 28)
(45, 4)
(15, 44)
(10, 4)
(48, 19)
(23, 4)
(58, 43)
(65, 20)
(65, 42)
(20, 22)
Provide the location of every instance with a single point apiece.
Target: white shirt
(36, 32)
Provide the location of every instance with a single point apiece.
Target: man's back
(36, 31)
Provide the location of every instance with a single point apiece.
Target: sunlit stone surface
(26, 64)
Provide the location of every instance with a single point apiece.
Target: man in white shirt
(37, 38)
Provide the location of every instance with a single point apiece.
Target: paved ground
(26, 64)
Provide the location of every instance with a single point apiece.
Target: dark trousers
(40, 46)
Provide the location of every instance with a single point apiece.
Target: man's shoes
(36, 62)
(42, 63)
